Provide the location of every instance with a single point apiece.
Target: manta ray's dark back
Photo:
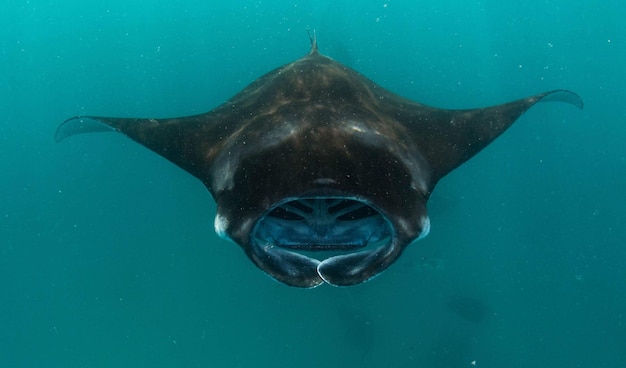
(319, 174)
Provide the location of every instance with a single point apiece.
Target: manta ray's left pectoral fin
(455, 136)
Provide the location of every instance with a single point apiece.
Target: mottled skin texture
(315, 127)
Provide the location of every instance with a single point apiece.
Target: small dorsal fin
(313, 39)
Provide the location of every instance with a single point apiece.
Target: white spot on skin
(221, 225)
(403, 226)
(224, 169)
(425, 227)
(356, 127)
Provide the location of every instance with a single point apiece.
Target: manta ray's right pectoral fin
(187, 142)
(80, 125)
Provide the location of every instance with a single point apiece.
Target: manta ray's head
(342, 215)
(320, 182)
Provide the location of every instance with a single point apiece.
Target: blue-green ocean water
(107, 252)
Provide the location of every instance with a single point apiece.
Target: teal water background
(107, 252)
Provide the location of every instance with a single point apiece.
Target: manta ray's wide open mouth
(317, 224)
(305, 241)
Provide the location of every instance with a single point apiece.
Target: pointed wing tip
(562, 95)
(63, 130)
(79, 125)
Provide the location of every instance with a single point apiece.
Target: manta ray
(319, 174)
